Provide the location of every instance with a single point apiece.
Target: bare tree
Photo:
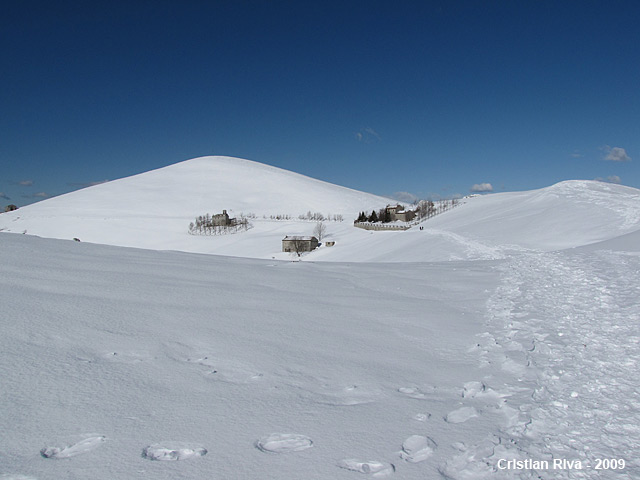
(320, 231)
(298, 247)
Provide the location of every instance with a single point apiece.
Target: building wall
(405, 216)
(220, 220)
(305, 245)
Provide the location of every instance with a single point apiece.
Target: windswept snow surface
(248, 368)
(275, 369)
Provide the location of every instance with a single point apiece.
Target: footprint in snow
(412, 392)
(126, 357)
(227, 371)
(284, 443)
(461, 415)
(481, 391)
(372, 467)
(345, 396)
(172, 451)
(417, 448)
(422, 417)
(83, 446)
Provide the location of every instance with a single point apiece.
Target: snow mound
(153, 209)
(565, 215)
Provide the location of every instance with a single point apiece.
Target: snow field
(273, 369)
(567, 325)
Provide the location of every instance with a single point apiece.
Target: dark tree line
(423, 208)
(381, 215)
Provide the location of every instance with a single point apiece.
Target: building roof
(299, 237)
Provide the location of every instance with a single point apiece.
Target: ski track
(567, 326)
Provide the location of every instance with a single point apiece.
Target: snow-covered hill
(141, 364)
(153, 210)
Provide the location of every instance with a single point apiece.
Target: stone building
(397, 212)
(298, 244)
(221, 219)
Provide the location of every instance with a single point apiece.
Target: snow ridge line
(567, 326)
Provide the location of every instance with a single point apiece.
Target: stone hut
(397, 212)
(221, 219)
(297, 244)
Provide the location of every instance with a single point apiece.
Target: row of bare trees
(205, 225)
(318, 217)
(307, 217)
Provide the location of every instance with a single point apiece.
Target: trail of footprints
(414, 449)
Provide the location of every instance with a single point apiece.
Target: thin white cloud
(609, 179)
(4, 195)
(576, 155)
(41, 195)
(25, 183)
(367, 135)
(613, 179)
(481, 187)
(616, 154)
(405, 197)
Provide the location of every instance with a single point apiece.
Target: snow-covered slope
(139, 364)
(153, 210)
(136, 364)
(566, 215)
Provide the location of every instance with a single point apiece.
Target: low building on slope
(298, 244)
(397, 212)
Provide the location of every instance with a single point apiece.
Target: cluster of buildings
(300, 243)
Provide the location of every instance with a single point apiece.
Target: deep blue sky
(427, 97)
